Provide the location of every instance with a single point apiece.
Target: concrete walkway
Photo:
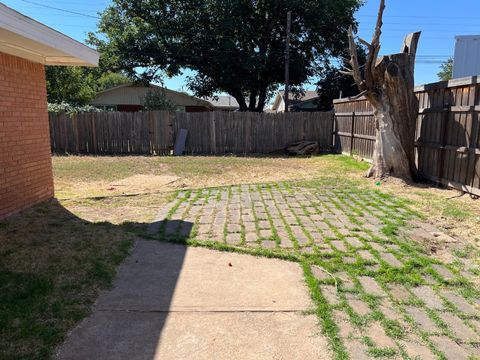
(174, 302)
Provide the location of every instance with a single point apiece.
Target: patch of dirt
(437, 205)
(435, 242)
(143, 183)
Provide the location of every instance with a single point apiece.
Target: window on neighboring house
(107, 107)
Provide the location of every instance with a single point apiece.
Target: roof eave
(24, 37)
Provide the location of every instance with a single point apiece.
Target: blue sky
(438, 20)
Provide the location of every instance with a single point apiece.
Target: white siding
(467, 56)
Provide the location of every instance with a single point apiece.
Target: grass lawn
(87, 185)
(56, 257)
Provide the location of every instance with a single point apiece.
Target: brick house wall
(25, 160)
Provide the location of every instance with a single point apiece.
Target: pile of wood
(302, 148)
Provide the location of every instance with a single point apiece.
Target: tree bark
(252, 99)
(388, 83)
(395, 110)
(241, 100)
(262, 98)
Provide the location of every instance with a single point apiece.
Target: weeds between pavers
(314, 223)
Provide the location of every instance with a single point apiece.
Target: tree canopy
(332, 82)
(446, 70)
(78, 85)
(233, 46)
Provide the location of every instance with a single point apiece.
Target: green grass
(53, 264)
(455, 212)
(52, 267)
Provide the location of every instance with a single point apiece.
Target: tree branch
(374, 48)
(355, 72)
(364, 42)
(355, 97)
(409, 46)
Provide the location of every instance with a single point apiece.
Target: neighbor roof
(293, 99)
(26, 38)
(141, 90)
(224, 101)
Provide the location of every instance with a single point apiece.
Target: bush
(157, 100)
(71, 109)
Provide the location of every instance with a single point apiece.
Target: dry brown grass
(118, 189)
(55, 257)
(450, 210)
(79, 177)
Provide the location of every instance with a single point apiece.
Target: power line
(60, 9)
(421, 17)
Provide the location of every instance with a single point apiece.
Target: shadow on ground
(53, 266)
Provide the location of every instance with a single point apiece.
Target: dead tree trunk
(388, 83)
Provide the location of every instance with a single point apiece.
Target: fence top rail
(470, 80)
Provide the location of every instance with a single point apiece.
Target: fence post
(94, 133)
(443, 139)
(333, 147)
(213, 138)
(353, 133)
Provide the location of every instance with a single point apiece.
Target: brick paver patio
(384, 296)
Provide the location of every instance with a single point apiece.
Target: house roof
(224, 102)
(29, 39)
(142, 91)
(294, 99)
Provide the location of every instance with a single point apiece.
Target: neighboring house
(306, 102)
(130, 97)
(466, 61)
(25, 157)
(224, 103)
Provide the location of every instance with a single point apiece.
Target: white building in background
(466, 61)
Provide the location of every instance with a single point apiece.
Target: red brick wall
(25, 161)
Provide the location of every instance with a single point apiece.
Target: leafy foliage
(157, 100)
(234, 46)
(73, 85)
(77, 85)
(446, 70)
(70, 109)
(332, 82)
(109, 80)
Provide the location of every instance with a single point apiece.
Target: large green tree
(332, 82)
(78, 85)
(233, 46)
(73, 85)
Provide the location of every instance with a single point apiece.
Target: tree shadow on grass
(53, 267)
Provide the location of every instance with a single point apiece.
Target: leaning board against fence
(447, 135)
(208, 132)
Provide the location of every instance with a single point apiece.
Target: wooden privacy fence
(111, 133)
(447, 136)
(208, 132)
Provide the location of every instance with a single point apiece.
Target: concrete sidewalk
(174, 302)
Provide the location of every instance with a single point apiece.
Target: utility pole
(287, 60)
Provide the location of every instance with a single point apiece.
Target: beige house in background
(306, 102)
(130, 97)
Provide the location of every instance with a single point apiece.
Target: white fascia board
(27, 38)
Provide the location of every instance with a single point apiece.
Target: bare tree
(388, 84)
